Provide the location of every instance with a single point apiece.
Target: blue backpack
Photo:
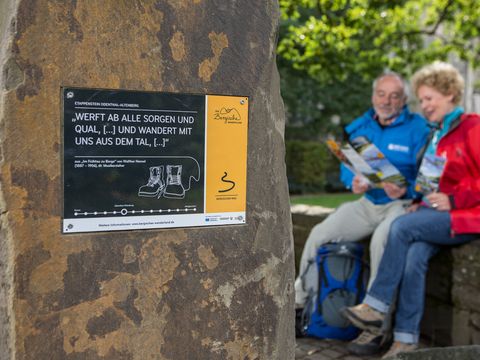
(342, 277)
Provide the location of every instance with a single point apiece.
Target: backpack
(342, 277)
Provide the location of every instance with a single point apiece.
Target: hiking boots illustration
(174, 188)
(155, 185)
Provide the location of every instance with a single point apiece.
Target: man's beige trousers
(352, 221)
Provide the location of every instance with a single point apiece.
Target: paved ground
(316, 349)
(325, 349)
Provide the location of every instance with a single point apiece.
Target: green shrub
(310, 166)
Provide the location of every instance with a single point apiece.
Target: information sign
(145, 160)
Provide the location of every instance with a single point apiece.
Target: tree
(338, 46)
(331, 39)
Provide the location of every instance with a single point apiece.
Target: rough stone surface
(217, 293)
(452, 353)
(453, 296)
(7, 332)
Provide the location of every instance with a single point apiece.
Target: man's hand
(359, 185)
(439, 201)
(394, 191)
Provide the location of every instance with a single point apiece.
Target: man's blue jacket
(400, 142)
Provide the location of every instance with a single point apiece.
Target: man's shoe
(365, 318)
(299, 323)
(367, 344)
(399, 347)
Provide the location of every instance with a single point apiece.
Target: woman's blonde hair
(441, 76)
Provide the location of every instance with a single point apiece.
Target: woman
(450, 216)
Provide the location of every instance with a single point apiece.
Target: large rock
(210, 293)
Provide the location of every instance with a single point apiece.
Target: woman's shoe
(365, 318)
(399, 347)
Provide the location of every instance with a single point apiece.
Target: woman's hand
(394, 191)
(359, 185)
(412, 208)
(439, 201)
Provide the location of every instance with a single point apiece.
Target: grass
(330, 200)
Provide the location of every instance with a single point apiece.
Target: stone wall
(304, 218)
(451, 353)
(452, 313)
(209, 293)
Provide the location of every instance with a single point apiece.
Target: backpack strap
(303, 275)
(307, 310)
(322, 278)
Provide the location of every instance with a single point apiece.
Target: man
(399, 134)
